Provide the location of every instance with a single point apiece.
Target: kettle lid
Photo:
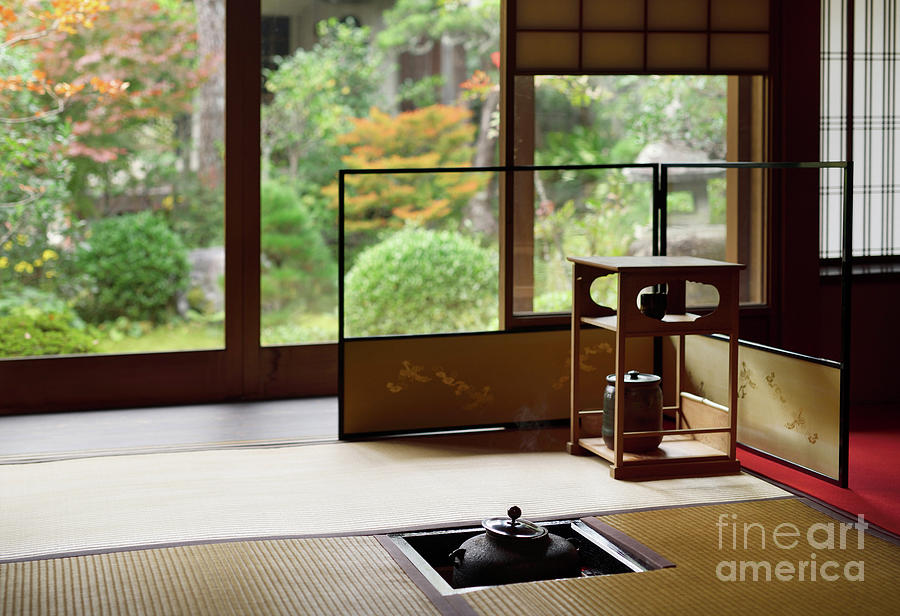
(512, 527)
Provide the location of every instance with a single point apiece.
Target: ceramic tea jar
(513, 550)
(643, 410)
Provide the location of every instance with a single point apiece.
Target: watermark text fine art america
(827, 537)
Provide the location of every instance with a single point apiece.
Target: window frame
(748, 138)
(854, 46)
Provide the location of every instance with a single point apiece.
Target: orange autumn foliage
(437, 136)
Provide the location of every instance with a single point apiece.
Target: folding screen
(789, 405)
(412, 383)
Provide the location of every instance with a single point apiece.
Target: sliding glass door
(112, 210)
(121, 265)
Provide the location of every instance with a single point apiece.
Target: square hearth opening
(429, 551)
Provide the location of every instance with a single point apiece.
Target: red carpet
(874, 474)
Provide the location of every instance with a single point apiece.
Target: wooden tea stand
(684, 451)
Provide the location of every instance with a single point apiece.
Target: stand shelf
(671, 448)
(681, 452)
(612, 322)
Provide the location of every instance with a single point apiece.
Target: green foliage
(32, 151)
(194, 211)
(34, 168)
(26, 232)
(603, 223)
(33, 172)
(414, 26)
(300, 328)
(25, 335)
(631, 111)
(127, 337)
(322, 214)
(580, 145)
(35, 322)
(422, 92)
(21, 300)
(134, 266)
(298, 267)
(35, 225)
(718, 201)
(312, 94)
(679, 202)
(553, 301)
(420, 281)
(688, 110)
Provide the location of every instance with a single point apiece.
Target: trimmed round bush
(134, 266)
(420, 281)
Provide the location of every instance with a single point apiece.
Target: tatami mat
(689, 537)
(356, 576)
(106, 503)
(351, 575)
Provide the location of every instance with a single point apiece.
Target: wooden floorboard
(143, 428)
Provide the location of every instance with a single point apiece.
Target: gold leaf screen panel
(787, 406)
(421, 383)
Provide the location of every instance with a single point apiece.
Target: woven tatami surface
(99, 504)
(690, 538)
(355, 575)
(301, 576)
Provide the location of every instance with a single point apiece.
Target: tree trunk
(210, 102)
(479, 210)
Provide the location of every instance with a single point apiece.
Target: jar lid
(633, 377)
(512, 527)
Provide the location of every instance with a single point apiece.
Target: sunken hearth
(601, 551)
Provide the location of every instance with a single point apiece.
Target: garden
(111, 190)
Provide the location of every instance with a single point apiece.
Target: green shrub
(31, 301)
(23, 335)
(297, 267)
(134, 266)
(38, 322)
(419, 281)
